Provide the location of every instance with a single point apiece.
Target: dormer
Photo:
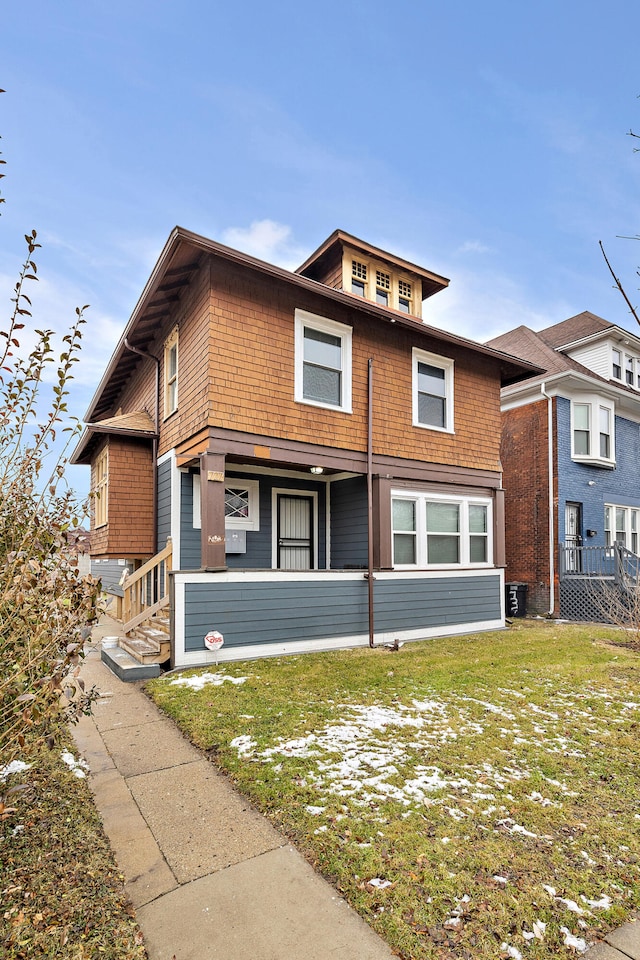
(356, 267)
(604, 348)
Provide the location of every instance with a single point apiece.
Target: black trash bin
(516, 599)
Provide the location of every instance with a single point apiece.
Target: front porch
(598, 583)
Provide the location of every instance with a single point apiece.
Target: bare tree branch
(619, 286)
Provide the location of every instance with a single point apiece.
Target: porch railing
(146, 591)
(615, 563)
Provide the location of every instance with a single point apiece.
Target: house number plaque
(217, 476)
(214, 538)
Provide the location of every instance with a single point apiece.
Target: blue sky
(487, 142)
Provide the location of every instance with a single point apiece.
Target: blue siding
(349, 523)
(620, 486)
(258, 555)
(190, 547)
(110, 572)
(280, 611)
(164, 504)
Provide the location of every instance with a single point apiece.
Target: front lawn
(470, 797)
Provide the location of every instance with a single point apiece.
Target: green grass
(448, 789)
(61, 895)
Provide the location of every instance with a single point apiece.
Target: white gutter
(552, 552)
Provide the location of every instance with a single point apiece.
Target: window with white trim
(432, 391)
(241, 504)
(101, 489)
(429, 530)
(322, 362)
(625, 367)
(593, 431)
(171, 373)
(621, 526)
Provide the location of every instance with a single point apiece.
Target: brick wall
(525, 454)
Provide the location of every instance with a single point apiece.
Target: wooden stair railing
(146, 591)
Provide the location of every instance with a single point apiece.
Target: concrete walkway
(209, 877)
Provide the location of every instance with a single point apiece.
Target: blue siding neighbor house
(571, 458)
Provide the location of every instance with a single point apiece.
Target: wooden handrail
(147, 588)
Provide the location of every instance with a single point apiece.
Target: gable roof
(529, 345)
(581, 327)
(183, 254)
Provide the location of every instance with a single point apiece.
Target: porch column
(382, 555)
(212, 511)
(499, 551)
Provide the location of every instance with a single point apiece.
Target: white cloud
(482, 305)
(268, 240)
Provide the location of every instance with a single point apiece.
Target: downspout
(370, 505)
(552, 551)
(154, 449)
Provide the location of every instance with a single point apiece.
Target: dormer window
(404, 296)
(383, 287)
(617, 364)
(359, 278)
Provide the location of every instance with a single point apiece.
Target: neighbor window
(430, 530)
(171, 374)
(592, 431)
(432, 391)
(101, 488)
(323, 362)
(621, 526)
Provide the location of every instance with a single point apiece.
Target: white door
(295, 532)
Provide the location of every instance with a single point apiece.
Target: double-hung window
(432, 391)
(171, 373)
(592, 431)
(323, 362)
(101, 488)
(621, 526)
(430, 530)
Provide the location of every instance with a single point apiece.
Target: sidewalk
(209, 877)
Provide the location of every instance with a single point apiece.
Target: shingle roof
(580, 327)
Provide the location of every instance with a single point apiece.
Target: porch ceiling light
(317, 469)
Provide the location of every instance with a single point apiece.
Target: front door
(295, 532)
(573, 536)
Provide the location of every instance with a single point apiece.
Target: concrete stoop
(124, 666)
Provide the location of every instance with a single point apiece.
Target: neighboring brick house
(570, 455)
(295, 433)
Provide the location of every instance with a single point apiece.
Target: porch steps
(125, 667)
(149, 642)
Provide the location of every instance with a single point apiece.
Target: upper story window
(383, 287)
(432, 391)
(359, 278)
(101, 489)
(322, 361)
(625, 367)
(592, 432)
(171, 373)
(404, 296)
(429, 530)
(381, 283)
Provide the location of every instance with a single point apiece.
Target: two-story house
(570, 454)
(323, 465)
